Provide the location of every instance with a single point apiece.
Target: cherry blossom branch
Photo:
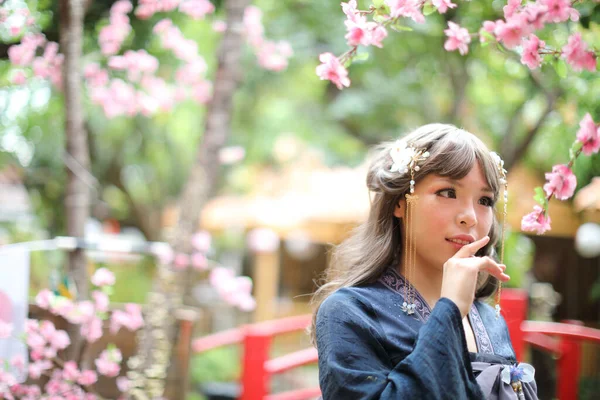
(561, 182)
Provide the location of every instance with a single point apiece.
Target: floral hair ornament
(406, 159)
(503, 181)
(515, 375)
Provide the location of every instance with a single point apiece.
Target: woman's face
(448, 214)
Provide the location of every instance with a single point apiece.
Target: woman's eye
(486, 201)
(450, 193)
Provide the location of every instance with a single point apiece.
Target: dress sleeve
(353, 364)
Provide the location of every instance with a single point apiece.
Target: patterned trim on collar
(396, 282)
(484, 344)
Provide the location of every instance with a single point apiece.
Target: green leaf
(574, 149)
(379, 18)
(400, 28)
(487, 36)
(560, 66)
(540, 197)
(428, 9)
(377, 3)
(360, 57)
(108, 290)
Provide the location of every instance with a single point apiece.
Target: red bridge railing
(257, 367)
(563, 340)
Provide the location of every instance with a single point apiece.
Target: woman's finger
(494, 269)
(471, 249)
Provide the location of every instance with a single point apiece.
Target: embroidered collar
(396, 282)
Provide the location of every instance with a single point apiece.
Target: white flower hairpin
(405, 159)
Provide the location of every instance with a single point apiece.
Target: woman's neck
(427, 281)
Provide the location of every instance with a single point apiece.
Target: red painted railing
(257, 367)
(563, 340)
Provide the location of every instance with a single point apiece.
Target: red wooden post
(569, 364)
(514, 311)
(255, 379)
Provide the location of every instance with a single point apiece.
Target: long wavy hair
(377, 243)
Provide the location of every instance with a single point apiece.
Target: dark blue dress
(370, 349)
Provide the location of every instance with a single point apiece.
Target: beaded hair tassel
(406, 160)
(503, 181)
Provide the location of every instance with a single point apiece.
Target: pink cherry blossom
(273, 56)
(510, 8)
(101, 301)
(123, 384)
(6, 329)
(199, 261)
(92, 330)
(94, 75)
(17, 361)
(443, 5)
(36, 368)
(130, 318)
(201, 240)
(350, 10)
(536, 221)
(196, 9)
(70, 371)
(512, 30)
(108, 362)
(103, 277)
(219, 26)
(253, 25)
(577, 55)
(332, 70)
(589, 135)
(458, 38)
(561, 181)
(182, 261)
(24, 53)
(44, 298)
(60, 340)
(230, 155)
(111, 37)
(559, 10)
(536, 15)
(531, 47)
(202, 92)
(36, 341)
(87, 378)
(406, 8)
(358, 32)
(47, 329)
(378, 33)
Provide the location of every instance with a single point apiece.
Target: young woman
(401, 313)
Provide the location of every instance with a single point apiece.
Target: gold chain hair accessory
(503, 181)
(406, 160)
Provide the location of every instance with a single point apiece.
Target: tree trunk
(77, 197)
(154, 346)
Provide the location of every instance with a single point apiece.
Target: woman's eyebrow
(457, 183)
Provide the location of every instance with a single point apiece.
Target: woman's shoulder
(352, 300)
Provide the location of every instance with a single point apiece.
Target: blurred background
(290, 177)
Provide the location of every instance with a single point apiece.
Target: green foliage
(218, 365)
(518, 257)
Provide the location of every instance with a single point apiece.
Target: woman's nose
(467, 216)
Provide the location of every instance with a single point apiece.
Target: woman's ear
(399, 209)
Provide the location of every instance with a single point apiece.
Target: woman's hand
(460, 274)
